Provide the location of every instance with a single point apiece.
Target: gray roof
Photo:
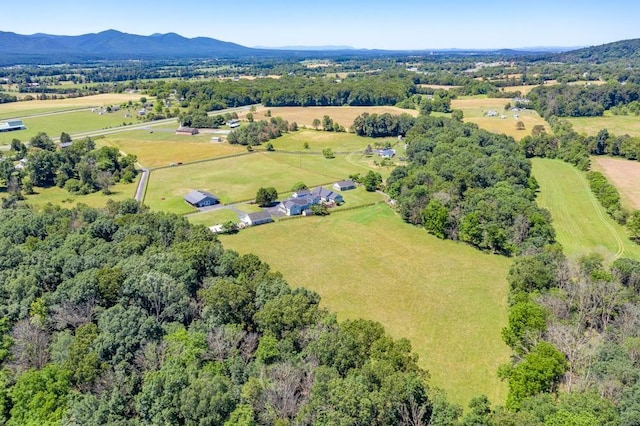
(194, 197)
(346, 183)
(262, 215)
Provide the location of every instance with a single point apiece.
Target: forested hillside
(123, 316)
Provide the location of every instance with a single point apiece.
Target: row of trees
(123, 316)
(383, 125)
(257, 132)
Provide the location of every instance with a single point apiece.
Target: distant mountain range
(112, 44)
(116, 45)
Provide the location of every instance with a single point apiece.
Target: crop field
(438, 86)
(475, 109)
(344, 115)
(238, 178)
(25, 108)
(582, 225)
(616, 124)
(449, 299)
(163, 146)
(624, 174)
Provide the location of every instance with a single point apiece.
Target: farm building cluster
(299, 203)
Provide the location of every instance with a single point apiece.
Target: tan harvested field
(624, 174)
(475, 110)
(524, 90)
(344, 115)
(23, 108)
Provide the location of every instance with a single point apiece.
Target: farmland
(475, 109)
(167, 186)
(449, 299)
(25, 108)
(616, 124)
(344, 115)
(582, 225)
(624, 174)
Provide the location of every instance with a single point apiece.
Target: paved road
(142, 185)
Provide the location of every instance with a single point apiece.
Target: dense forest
(467, 184)
(123, 316)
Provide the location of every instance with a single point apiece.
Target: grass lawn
(616, 124)
(238, 178)
(162, 148)
(213, 217)
(475, 108)
(24, 108)
(449, 299)
(582, 225)
(62, 197)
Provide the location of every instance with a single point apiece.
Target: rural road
(142, 185)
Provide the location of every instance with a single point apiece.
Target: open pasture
(616, 124)
(238, 178)
(624, 174)
(449, 299)
(343, 115)
(475, 109)
(62, 197)
(581, 223)
(26, 108)
(70, 122)
(319, 140)
(163, 146)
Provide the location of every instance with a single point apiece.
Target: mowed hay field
(344, 115)
(616, 124)
(624, 174)
(163, 147)
(239, 178)
(448, 299)
(475, 110)
(62, 197)
(582, 225)
(25, 108)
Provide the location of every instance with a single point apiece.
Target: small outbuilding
(257, 218)
(344, 185)
(10, 125)
(201, 199)
(187, 131)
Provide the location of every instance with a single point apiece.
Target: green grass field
(449, 299)
(582, 225)
(319, 140)
(161, 148)
(238, 178)
(616, 124)
(62, 197)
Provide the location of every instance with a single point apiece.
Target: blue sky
(369, 24)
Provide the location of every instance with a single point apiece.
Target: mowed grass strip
(616, 124)
(624, 174)
(239, 178)
(163, 147)
(582, 225)
(449, 299)
(475, 109)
